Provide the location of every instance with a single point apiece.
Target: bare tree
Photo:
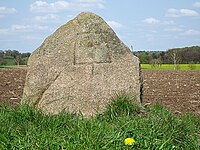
(18, 59)
(174, 57)
(156, 62)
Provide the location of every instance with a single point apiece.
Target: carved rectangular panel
(90, 50)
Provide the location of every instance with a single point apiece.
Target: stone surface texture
(80, 68)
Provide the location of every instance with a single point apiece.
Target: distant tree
(174, 57)
(152, 63)
(2, 59)
(162, 55)
(12, 53)
(156, 62)
(3, 62)
(190, 56)
(185, 55)
(192, 65)
(155, 55)
(18, 60)
(144, 57)
(26, 55)
(1, 54)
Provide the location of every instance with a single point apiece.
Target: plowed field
(177, 90)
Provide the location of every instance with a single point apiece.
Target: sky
(145, 24)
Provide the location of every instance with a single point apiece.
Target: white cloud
(40, 28)
(27, 28)
(87, 4)
(191, 32)
(5, 10)
(20, 27)
(42, 6)
(4, 31)
(174, 29)
(197, 4)
(90, 1)
(152, 21)
(188, 12)
(59, 6)
(115, 25)
(32, 37)
(181, 13)
(170, 22)
(46, 18)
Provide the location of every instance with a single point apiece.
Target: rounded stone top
(83, 14)
(85, 20)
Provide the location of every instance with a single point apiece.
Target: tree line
(13, 57)
(184, 55)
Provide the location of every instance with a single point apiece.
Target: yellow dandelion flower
(129, 141)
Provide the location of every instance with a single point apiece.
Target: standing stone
(80, 68)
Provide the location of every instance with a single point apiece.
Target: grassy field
(154, 129)
(149, 67)
(171, 67)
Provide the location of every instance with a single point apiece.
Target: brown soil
(11, 85)
(177, 90)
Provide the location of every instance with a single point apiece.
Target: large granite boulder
(80, 68)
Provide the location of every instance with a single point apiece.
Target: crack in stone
(141, 83)
(75, 43)
(52, 101)
(41, 93)
(74, 62)
(94, 62)
(92, 69)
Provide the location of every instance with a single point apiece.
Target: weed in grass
(123, 105)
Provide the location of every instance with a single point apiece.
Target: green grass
(157, 129)
(171, 67)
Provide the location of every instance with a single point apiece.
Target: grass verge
(24, 127)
